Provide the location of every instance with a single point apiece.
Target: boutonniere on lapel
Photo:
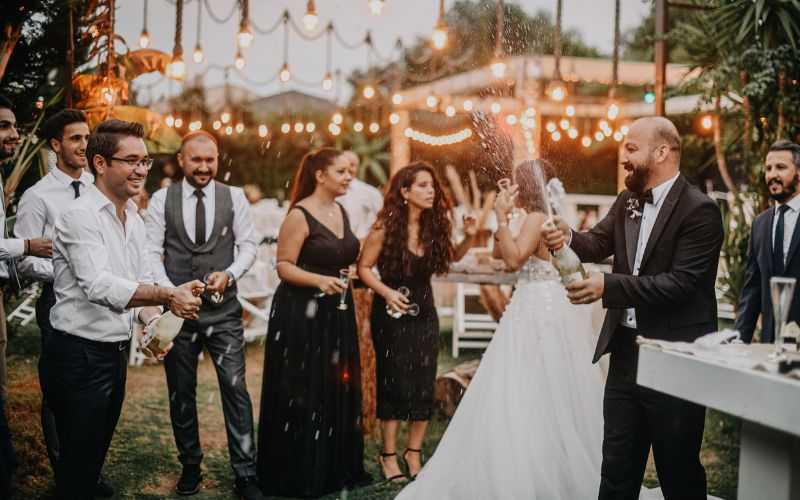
(634, 208)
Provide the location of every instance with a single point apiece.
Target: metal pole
(69, 66)
(557, 43)
(662, 15)
(501, 20)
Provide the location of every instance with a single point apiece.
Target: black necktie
(777, 244)
(199, 219)
(76, 185)
(646, 197)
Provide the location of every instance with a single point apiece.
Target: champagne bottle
(160, 333)
(568, 264)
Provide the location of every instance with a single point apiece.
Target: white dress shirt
(789, 223)
(10, 248)
(362, 202)
(38, 212)
(649, 215)
(98, 264)
(243, 232)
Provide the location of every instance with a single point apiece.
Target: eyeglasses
(147, 163)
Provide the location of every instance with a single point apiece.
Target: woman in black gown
(409, 243)
(310, 438)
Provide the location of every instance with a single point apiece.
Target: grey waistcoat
(184, 261)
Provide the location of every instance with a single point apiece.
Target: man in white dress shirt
(362, 202)
(66, 134)
(199, 228)
(102, 285)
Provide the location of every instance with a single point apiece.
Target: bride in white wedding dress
(530, 425)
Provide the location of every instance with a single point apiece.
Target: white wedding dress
(530, 425)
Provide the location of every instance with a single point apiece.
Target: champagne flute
(413, 310)
(504, 184)
(344, 277)
(405, 292)
(215, 297)
(782, 293)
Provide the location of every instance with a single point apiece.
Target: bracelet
(27, 247)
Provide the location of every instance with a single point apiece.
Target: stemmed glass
(214, 297)
(504, 184)
(782, 293)
(344, 277)
(413, 309)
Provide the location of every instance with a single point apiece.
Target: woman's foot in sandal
(390, 469)
(415, 463)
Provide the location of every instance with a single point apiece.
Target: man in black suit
(773, 243)
(665, 237)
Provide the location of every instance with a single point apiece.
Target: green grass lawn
(142, 462)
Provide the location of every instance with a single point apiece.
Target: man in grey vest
(201, 229)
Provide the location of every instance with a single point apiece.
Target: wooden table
(768, 404)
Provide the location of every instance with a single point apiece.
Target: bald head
(198, 135)
(651, 153)
(199, 158)
(352, 161)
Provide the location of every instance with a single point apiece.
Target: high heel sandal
(408, 468)
(397, 478)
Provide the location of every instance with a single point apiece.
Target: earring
(405, 202)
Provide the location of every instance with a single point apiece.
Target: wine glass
(413, 310)
(344, 277)
(504, 184)
(215, 297)
(782, 293)
(394, 313)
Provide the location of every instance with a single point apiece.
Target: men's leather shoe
(190, 481)
(247, 488)
(103, 488)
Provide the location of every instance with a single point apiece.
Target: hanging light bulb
(239, 128)
(374, 127)
(228, 130)
(556, 136)
(298, 127)
(369, 92)
(586, 141)
(286, 75)
(551, 127)
(397, 99)
(495, 107)
(572, 133)
(144, 39)
(467, 105)
(613, 111)
(217, 124)
(310, 20)
(375, 7)
(262, 130)
(599, 136)
(176, 69)
(439, 36)
(225, 117)
(570, 111)
(239, 61)
(394, 118)
(564, 124)
(311, 127)
(169, 120)
(511, 120)
(198, 55)
(450, 111)
(327, 82)
(286, 128)
(557, 90)
(245, 36)
(358, 126)
(707, 122)
(431, 101)
(498, 68)
(178, 122)
(337, 118)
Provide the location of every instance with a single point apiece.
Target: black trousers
(8, 458)
(225, 346)
(46, 301)
(637, 418)
(85, 386)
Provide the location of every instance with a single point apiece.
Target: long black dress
(310, 438)
(406, 348)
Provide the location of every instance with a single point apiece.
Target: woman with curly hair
(310, 439)
(409, 243)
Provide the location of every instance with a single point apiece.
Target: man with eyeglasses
(201, 229)
(10, 248)
(102, 285)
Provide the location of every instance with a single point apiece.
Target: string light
(397, 99)
(495, 107)
(197, 56)
(327, 82)
(551, 127)
(334, 129)
(239, 128)
(564, 124)
(310, 19)
(450, 111)
(598, 136)
(358, 126)
(442, 140)
(439, 37)
(706, 122)
(178, 122)
(586, 141)
(337, 118)
(375, 7)
(262, 130)
(613, 111)
(511, 120)
(169, 120)
(217, 125)
(498, 68)
(572, 133)
(368, 92)
(570, 110)
(144, 37)
(298, 127)
(311, 127)
(431, 101)
(239, 61)
(556, 90)
(228, 130)
(195, 125)
(556, 136)
(624, 129)
(286, 75)
(394, 118)
(467, 105)
(374, 127)
(225, 117)
(176, 69)
(618, 136)
(286, 128)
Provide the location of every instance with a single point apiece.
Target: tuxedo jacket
(755, 298)
(673, 295)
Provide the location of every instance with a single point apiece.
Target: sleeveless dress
(310, 439)
(406, 349)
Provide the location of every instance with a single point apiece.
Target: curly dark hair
(530, 196)
(434, 227)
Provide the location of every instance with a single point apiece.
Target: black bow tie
(646, 197)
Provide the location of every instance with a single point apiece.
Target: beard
(787, 190)
(636, 179)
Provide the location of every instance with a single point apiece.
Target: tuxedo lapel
(632, 227)
(792, 245)
(769, 238)
(663, 216)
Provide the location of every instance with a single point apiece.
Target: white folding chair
(470, 329)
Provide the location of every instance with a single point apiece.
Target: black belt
(121, 345)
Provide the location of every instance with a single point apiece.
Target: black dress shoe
(247, 488)
(103, 488)
(190, 481)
